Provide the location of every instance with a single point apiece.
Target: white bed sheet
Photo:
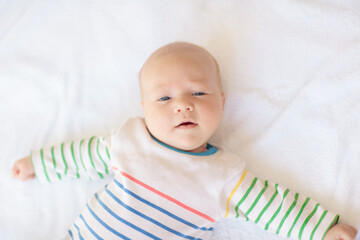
(291, 71)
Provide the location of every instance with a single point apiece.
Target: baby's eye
(166, 98)
(199, 94)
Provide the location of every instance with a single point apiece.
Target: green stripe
(91, 160)
(107, 150)
(257, 199)
(307, 220)
(245, 196)
(278, 210)
(318, 224)
(107, 153)
(63, 158)
(73, 156)
(298, 216)
(97, 149)
(287, 213)
(268, 204)
(43, 163)
(54, 161)
(81, 159)
(335, 221)
(32, 163)
(89, 151)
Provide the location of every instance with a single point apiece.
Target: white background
(291, 72)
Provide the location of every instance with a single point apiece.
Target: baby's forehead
(179, 49)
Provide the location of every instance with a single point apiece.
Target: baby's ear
(223, 95)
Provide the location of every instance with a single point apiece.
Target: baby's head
(182, 97)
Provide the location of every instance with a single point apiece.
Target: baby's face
(182, 99)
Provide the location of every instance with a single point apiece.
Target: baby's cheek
(214, 116)
(159, 125)
(213, 110)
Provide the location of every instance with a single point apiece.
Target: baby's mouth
(186, 125)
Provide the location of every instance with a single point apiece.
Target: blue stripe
(89, 228)
(71, 235)
(123, 220)
(161, 209)
(148, 218)
(104, 224)
(81, 238)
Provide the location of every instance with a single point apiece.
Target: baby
(169, 182)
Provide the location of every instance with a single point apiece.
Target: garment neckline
(210, 149)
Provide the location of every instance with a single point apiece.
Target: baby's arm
(85, 159)
(280, 210)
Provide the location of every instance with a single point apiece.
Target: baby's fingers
(22, 170)
(351, 232)
(22, 174)
(341, 232)
(348, 232)
(18, 172)
(15, 172)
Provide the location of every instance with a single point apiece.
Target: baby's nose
(182, 107)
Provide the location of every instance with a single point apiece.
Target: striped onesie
(159, 192)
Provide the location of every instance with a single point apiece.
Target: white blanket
(291, 72)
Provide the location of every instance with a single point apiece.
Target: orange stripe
(167, 197)
(233, 192)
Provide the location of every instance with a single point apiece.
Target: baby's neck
(200, 149)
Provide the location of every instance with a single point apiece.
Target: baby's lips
(185, 123)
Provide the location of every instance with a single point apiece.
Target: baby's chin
(184, 142)
(194, 148)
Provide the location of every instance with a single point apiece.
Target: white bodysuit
(159, 192)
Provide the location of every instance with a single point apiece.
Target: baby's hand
(23, 169)
(341, 232)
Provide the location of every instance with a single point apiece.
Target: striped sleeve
(87, 159)
(275, 208)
